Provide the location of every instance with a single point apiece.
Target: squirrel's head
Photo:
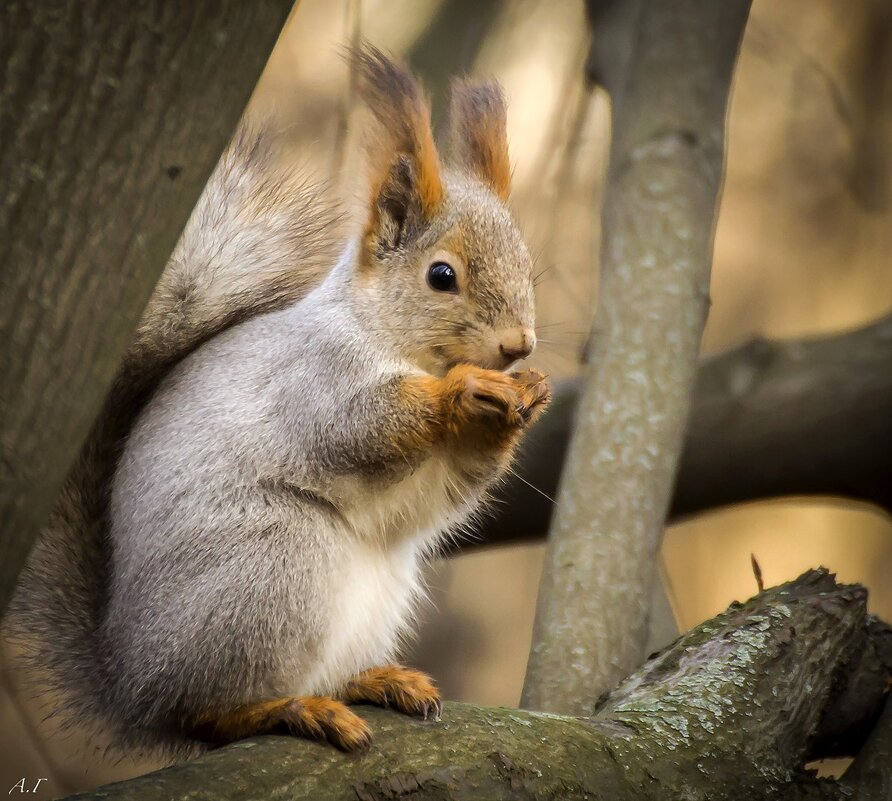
(440, 252)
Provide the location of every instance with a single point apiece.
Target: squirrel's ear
(479, 132)
(406, 185)
(397, 212)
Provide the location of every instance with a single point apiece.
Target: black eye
(441, 277)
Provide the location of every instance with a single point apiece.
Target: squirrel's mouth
(452, 357)
(499, 348)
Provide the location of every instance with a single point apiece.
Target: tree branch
(768, 419)
(666, 165)
(740, 697)
(113, 116)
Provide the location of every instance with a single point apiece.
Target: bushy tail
(258, 239)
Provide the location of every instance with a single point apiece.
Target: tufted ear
(397, 212)
(404, 167)
(479, 133)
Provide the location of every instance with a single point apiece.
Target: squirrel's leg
(312, 717)
(408, 691)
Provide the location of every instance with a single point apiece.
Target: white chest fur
(370, 610)
(378, 581)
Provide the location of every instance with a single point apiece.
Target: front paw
(494, 400)
(535, 394)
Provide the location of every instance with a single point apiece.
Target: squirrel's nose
(517, 344)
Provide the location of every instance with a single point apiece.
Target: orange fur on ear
(404, 124)
(479, 132)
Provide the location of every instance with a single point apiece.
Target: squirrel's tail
(258, 239)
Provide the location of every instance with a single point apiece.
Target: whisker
(538, 275)
(549, 326)
(561, 347)
(531, 486)
(553, 342)
(547, 365)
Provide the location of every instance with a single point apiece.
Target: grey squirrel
(238, 548)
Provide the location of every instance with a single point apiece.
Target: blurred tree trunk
(112, 116)
(670, 94)
(731, 711)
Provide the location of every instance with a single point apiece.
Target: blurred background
(803, 247)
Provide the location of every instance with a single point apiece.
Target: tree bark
(665, 171)
(729, 711)
(768, 419)
(113, 115)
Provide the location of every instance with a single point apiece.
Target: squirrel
(238, 549)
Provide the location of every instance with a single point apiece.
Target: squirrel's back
(259, 238)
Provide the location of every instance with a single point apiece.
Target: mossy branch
(733, 709)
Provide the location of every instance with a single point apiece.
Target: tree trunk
(730, 711)
(658, 210)
(768, 419)
(113, 115)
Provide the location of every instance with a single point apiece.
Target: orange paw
(408, 691)
(477, 396)
(313, 717)
(322, 718)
